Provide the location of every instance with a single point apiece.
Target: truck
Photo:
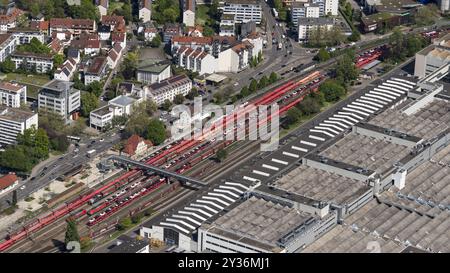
(90, 153)
(280, 46)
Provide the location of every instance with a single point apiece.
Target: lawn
(31, 81)
(202, 14)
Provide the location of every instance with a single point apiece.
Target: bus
(275, 13)
(74, 138)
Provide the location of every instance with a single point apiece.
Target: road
(59, 166)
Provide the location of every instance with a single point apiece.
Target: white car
(236, 84)
(91, 220)
(23, 187)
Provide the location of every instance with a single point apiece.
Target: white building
(227, 25)
(66, 71)
(243, 10)
(432, 57)
(8, 182)
(24, 35)
(119, 106)
(150, 32)
(41, 62)
(104, 32)
(444, 5)
(14, 121)
(153, 71)
(59, 97)
(8, 44)
(331, 7)
(114, 56)
(188, 12)
(235, 59)
(145, 10)
(196, 60)
(307, 25)
(168, 89)
(257, 44)
(12, 94)
(103, 7)
(304, 10)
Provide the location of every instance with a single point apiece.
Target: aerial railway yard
(98, 210)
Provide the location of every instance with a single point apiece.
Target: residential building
(304, 10)
(8, 44)
(168, 89)
(432, 57)
(257, 42)
(24, 35)
(120, 38)
(444, 5)
(196, 60)
(56, 46)
(205, 43)
(60, 97)
(12, 94)
(104, 32)
(74, 26)
(116, 22)
(119, 106)
(243, 10)
(7, 6)
(96, 70)
(42, 26)
(227, 25)
(14, 121)
(331, 7)
(306, 25)
(136, 146)
(8, 182)
(90, 45)
(189, 12)
(153, 71)
(170, 31)
(247, 28)
(114, 56)
(8, 21)
(66, 71)
(41, 63)
(102, 6)
(150, 32)
(145, 10)
(196, 31)
(235, 59)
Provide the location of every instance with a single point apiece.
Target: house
(12, 94)
(257, 42)
(42, 26)
(102, 6)
(64, 37)
(119, 37)
(205, 43)
(74, 54)
(150, 32)
(145, 10)
(8, 182)
(235, 59)
(66, 71)
(189, 12)
(120, 106)
(24, 35)
(168, 89)
(153, 71)
(90, 45)
(117, 23)
(41, 63)
(104, 32)
(56, 46)
(96, 70)
(136, 147)
(8, 21)
(196, 31)
(170, 31)
(8, 44)
(196, 60)
(14, 121)
(60, 97)
(74, 26)
(114, 56)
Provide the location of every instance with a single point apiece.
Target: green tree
(354, 37)
(156, 132)
(308, 106)
(7, 66)
(273, 77)
(208, 31)
(332, 90)
(35, 46)
(194, 93)
(41, 143)
(221, 154)
(86, 10)
(179, 99)
(124, 223)
(345, 69)
(293, 115)
(245, 91)
(58, 60)
(263, 82)
(71, 231)
(156, 41)
(89, 102)
(125, 11)
(253, 86)
(95, 88)
(322, 55)
(167, 104)
(129, 65)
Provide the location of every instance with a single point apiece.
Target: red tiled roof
(188, 39)
(41, 25)
(117, 37)
(7, 180)
(72, 23)
(133, 142)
